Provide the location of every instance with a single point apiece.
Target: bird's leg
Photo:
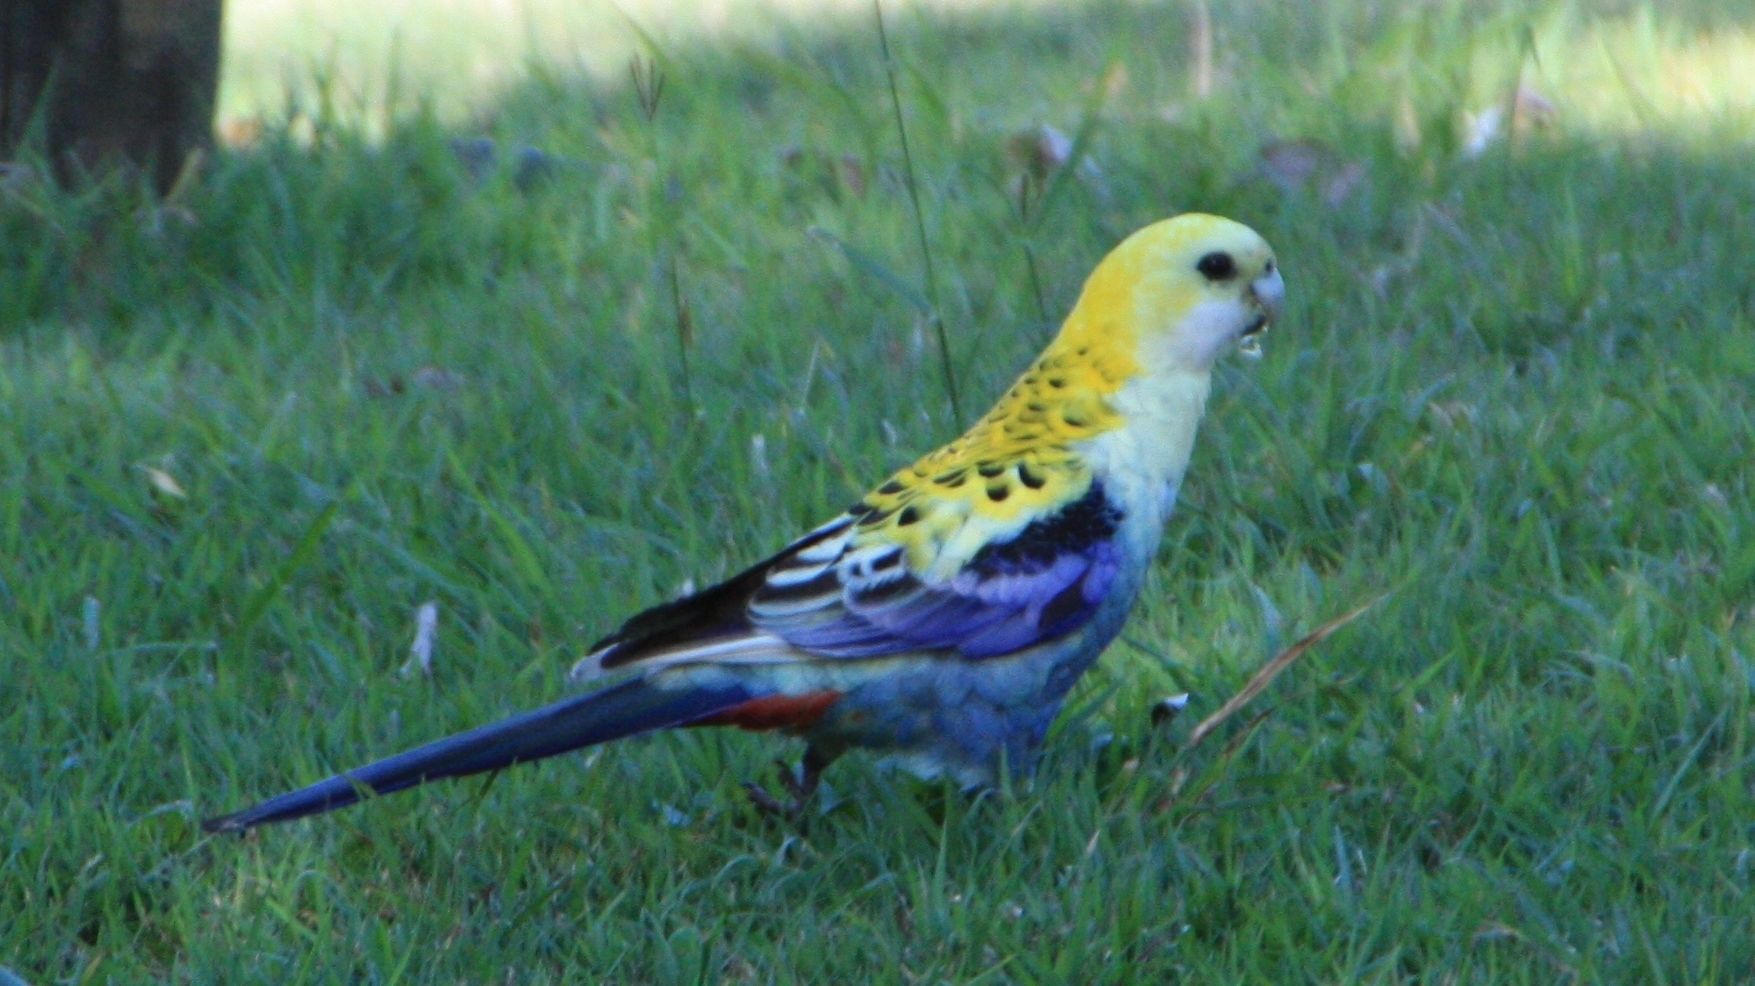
(800, 786)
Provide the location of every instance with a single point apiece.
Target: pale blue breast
(963, 718)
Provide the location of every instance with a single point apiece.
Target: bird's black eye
(1216, 266)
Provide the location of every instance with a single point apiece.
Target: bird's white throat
(1142, 463)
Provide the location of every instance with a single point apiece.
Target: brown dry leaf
(1530, 112)
(1296, 165)
(240, 132)
(1039, 151)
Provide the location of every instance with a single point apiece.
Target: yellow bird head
(1176, 295)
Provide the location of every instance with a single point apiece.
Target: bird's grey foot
(799, 786)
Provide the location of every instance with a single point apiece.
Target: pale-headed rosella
(942, 619)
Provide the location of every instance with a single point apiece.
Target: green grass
(244, 438)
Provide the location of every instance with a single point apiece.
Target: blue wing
(832, 594)
(1042, 583)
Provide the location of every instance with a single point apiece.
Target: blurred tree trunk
(110, 82)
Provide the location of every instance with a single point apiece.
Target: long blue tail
(622, 710)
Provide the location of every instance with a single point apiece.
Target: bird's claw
(800, 785)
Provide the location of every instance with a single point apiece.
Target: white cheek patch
(1207, 331)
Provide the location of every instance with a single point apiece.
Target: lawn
(246, 434)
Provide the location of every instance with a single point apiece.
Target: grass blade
(938, 322)
(257, 605)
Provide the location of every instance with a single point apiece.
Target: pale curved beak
(1269, 291)
(1269, 294)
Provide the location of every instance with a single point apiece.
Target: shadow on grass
(767, 141)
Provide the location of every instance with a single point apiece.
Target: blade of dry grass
(1257, 684)
(1273, 669)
